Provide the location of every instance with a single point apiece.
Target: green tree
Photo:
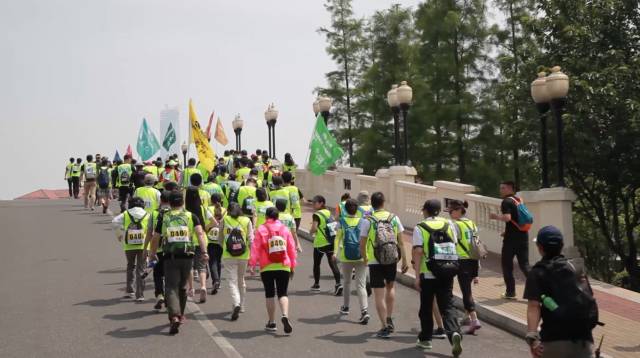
(344, 38)
(598, 45)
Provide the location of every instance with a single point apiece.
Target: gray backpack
(385, 242)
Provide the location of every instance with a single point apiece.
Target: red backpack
(277, 246)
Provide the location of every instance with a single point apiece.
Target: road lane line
(213, 331)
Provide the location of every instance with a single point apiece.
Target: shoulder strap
(517, 200)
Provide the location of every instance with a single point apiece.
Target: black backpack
(236, 245)
(441, 265)
(577, 308)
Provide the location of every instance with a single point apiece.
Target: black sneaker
(439, 333)
(159, 302)
(338, 290)
(236, 313)
(174, 326)
(383, 333)
(390, 325)
(287, 326)
(315, 288)
(344, 310)
(271, 326)
(364, 317)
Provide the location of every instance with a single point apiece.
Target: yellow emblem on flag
(206, 154)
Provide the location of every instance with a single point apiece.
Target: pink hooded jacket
(259, 247)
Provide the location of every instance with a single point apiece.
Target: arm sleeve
(532, 289)
(255, 249)
(417, 237)
(364, 227)
(196, 221)
(158, 228)
(116, 224)
(316, 219)
(250, 234)
(291, 249)
(506, 206)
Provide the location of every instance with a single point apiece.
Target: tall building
(170, 131)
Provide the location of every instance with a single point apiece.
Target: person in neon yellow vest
(67, 176)
(188, 171)
(149, 194)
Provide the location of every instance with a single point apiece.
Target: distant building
(170, 131)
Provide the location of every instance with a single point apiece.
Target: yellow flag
(205, 152)
(220, 136)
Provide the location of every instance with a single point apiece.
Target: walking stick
(599, 347)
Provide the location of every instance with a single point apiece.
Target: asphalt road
(62, 278)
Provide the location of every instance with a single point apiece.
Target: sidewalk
(619, 308)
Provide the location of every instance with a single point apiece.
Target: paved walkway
(619, 308)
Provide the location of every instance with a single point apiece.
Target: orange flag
(220, 136)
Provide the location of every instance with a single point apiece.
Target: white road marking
(213, 331)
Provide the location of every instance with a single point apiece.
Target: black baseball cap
(549, 236)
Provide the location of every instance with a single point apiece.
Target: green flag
(147, 143)
(169, 138)
(325, 151)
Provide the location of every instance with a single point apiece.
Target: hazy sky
(78, 76)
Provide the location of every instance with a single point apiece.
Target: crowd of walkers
(185, 224)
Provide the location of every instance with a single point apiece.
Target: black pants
(70, 182)
(123, 196)
(442, 290)
(317, 259)
(158, 275)
(215, 261)
(298, 221)
(519, 249)
(177, 272)
(275, 279)
(468, 271)
(75, 182)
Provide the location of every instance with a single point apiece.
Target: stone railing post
(395, 197)
(551, 206)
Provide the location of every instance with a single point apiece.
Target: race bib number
(135, 237)
(295, 199)
(91, 170)
(147, 203)
(445, 251)
(213, 234)
(179, 234)
(277, 244)
(333, 228)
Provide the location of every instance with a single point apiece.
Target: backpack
(125, 176)
(351, 241)
(234, 189)
(177, 237)
(577, 308)
(365, 213)
(442, 260)
(104, 178)
(385, 242)
(90, 171)
(329, 232)
(249, 206)
(134, 235)
(277, 247)
(525, 218)
(235, 243)
(478, 249)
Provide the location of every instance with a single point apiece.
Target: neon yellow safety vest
(75, 170)
(67, 170)
(90, 170)
(364, 210)
(294, 201)
(123, 168)
(242, 173)
(247, 192)
(241, 223)
(186, 176)
(261, 211)
(154, 223)
(281, 194)
(467, 229)
(212, 188)
(371, 236)
(151, 169)
(212, 234)
(220, 179)
(351, 221)
(433, 223)
(179, 234)
(150, 197)
(288, 221)
(134, 238)
(320, 240)
(290, 168)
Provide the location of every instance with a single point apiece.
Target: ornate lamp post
(324, 104)
(271, 117)
(558, 89)
(541, 98)
(185, 148)
(316, 108)
(392, 100)
(404, 95)
(237, 129)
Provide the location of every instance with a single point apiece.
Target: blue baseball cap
(549, 236)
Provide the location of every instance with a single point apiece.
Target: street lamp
(271, 117)
(316, 108)
(185, 148)
(558, 88)
(540, 96)
(404, 95)
(392, 100)
(237, 124)
(324, 104)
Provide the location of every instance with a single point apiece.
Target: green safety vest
(247, 192)
(186, 176)
(122, 168)
(179, 235)
(261, 211)
(204, 172)
(371, 235)
(212, 188)
(467, 228)
(339, 243)
(433, 223)
(294, 201)
(281, 194)
(229, 224)
(242, 173)
(134, 238)
(150, 197)
(320, 240)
